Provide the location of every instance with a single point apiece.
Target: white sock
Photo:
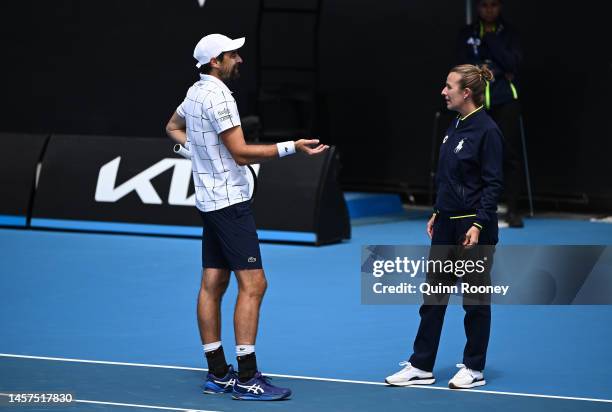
(243, 350)
(209, 347)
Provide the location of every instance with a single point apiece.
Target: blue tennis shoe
(215, 385)
(259, 388)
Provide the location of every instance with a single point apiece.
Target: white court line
(146, 365)
(132, 405)
(310, 378)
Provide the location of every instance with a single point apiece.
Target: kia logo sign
(141, 183)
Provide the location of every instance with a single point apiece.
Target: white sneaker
(410, 376)
(466, 378)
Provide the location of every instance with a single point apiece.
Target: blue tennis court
(329, 133)
(111, 320)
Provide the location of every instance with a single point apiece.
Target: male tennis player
(207, 121)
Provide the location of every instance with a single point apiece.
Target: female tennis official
(469, 183)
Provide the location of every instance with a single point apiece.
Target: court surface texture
(111, 319)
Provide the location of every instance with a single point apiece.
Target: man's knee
(253, 284)
(257, 288)
(214, 288)
(214, 285)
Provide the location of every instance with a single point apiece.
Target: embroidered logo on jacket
(459, 146)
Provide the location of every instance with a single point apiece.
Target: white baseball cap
(213, 45)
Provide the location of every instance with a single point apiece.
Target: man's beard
(233, 74)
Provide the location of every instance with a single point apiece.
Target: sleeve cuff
(478, 225)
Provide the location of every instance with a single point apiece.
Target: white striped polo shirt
(209, 109)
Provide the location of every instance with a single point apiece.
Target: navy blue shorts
(229, 239)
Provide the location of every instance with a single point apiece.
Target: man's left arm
(225, 119)
(245, 154)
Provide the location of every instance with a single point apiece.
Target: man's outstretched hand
(305, 146)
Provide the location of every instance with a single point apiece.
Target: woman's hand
(471, 237)
(430, 224)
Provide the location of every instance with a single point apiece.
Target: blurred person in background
(490, 42)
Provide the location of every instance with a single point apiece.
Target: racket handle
(181, 151)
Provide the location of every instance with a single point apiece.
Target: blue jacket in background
(500, 51)
(470, 170)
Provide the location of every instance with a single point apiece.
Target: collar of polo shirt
(218, 82)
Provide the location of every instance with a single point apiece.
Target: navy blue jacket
(470, 169)
(500, 50)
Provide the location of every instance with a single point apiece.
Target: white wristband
(285, 148)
